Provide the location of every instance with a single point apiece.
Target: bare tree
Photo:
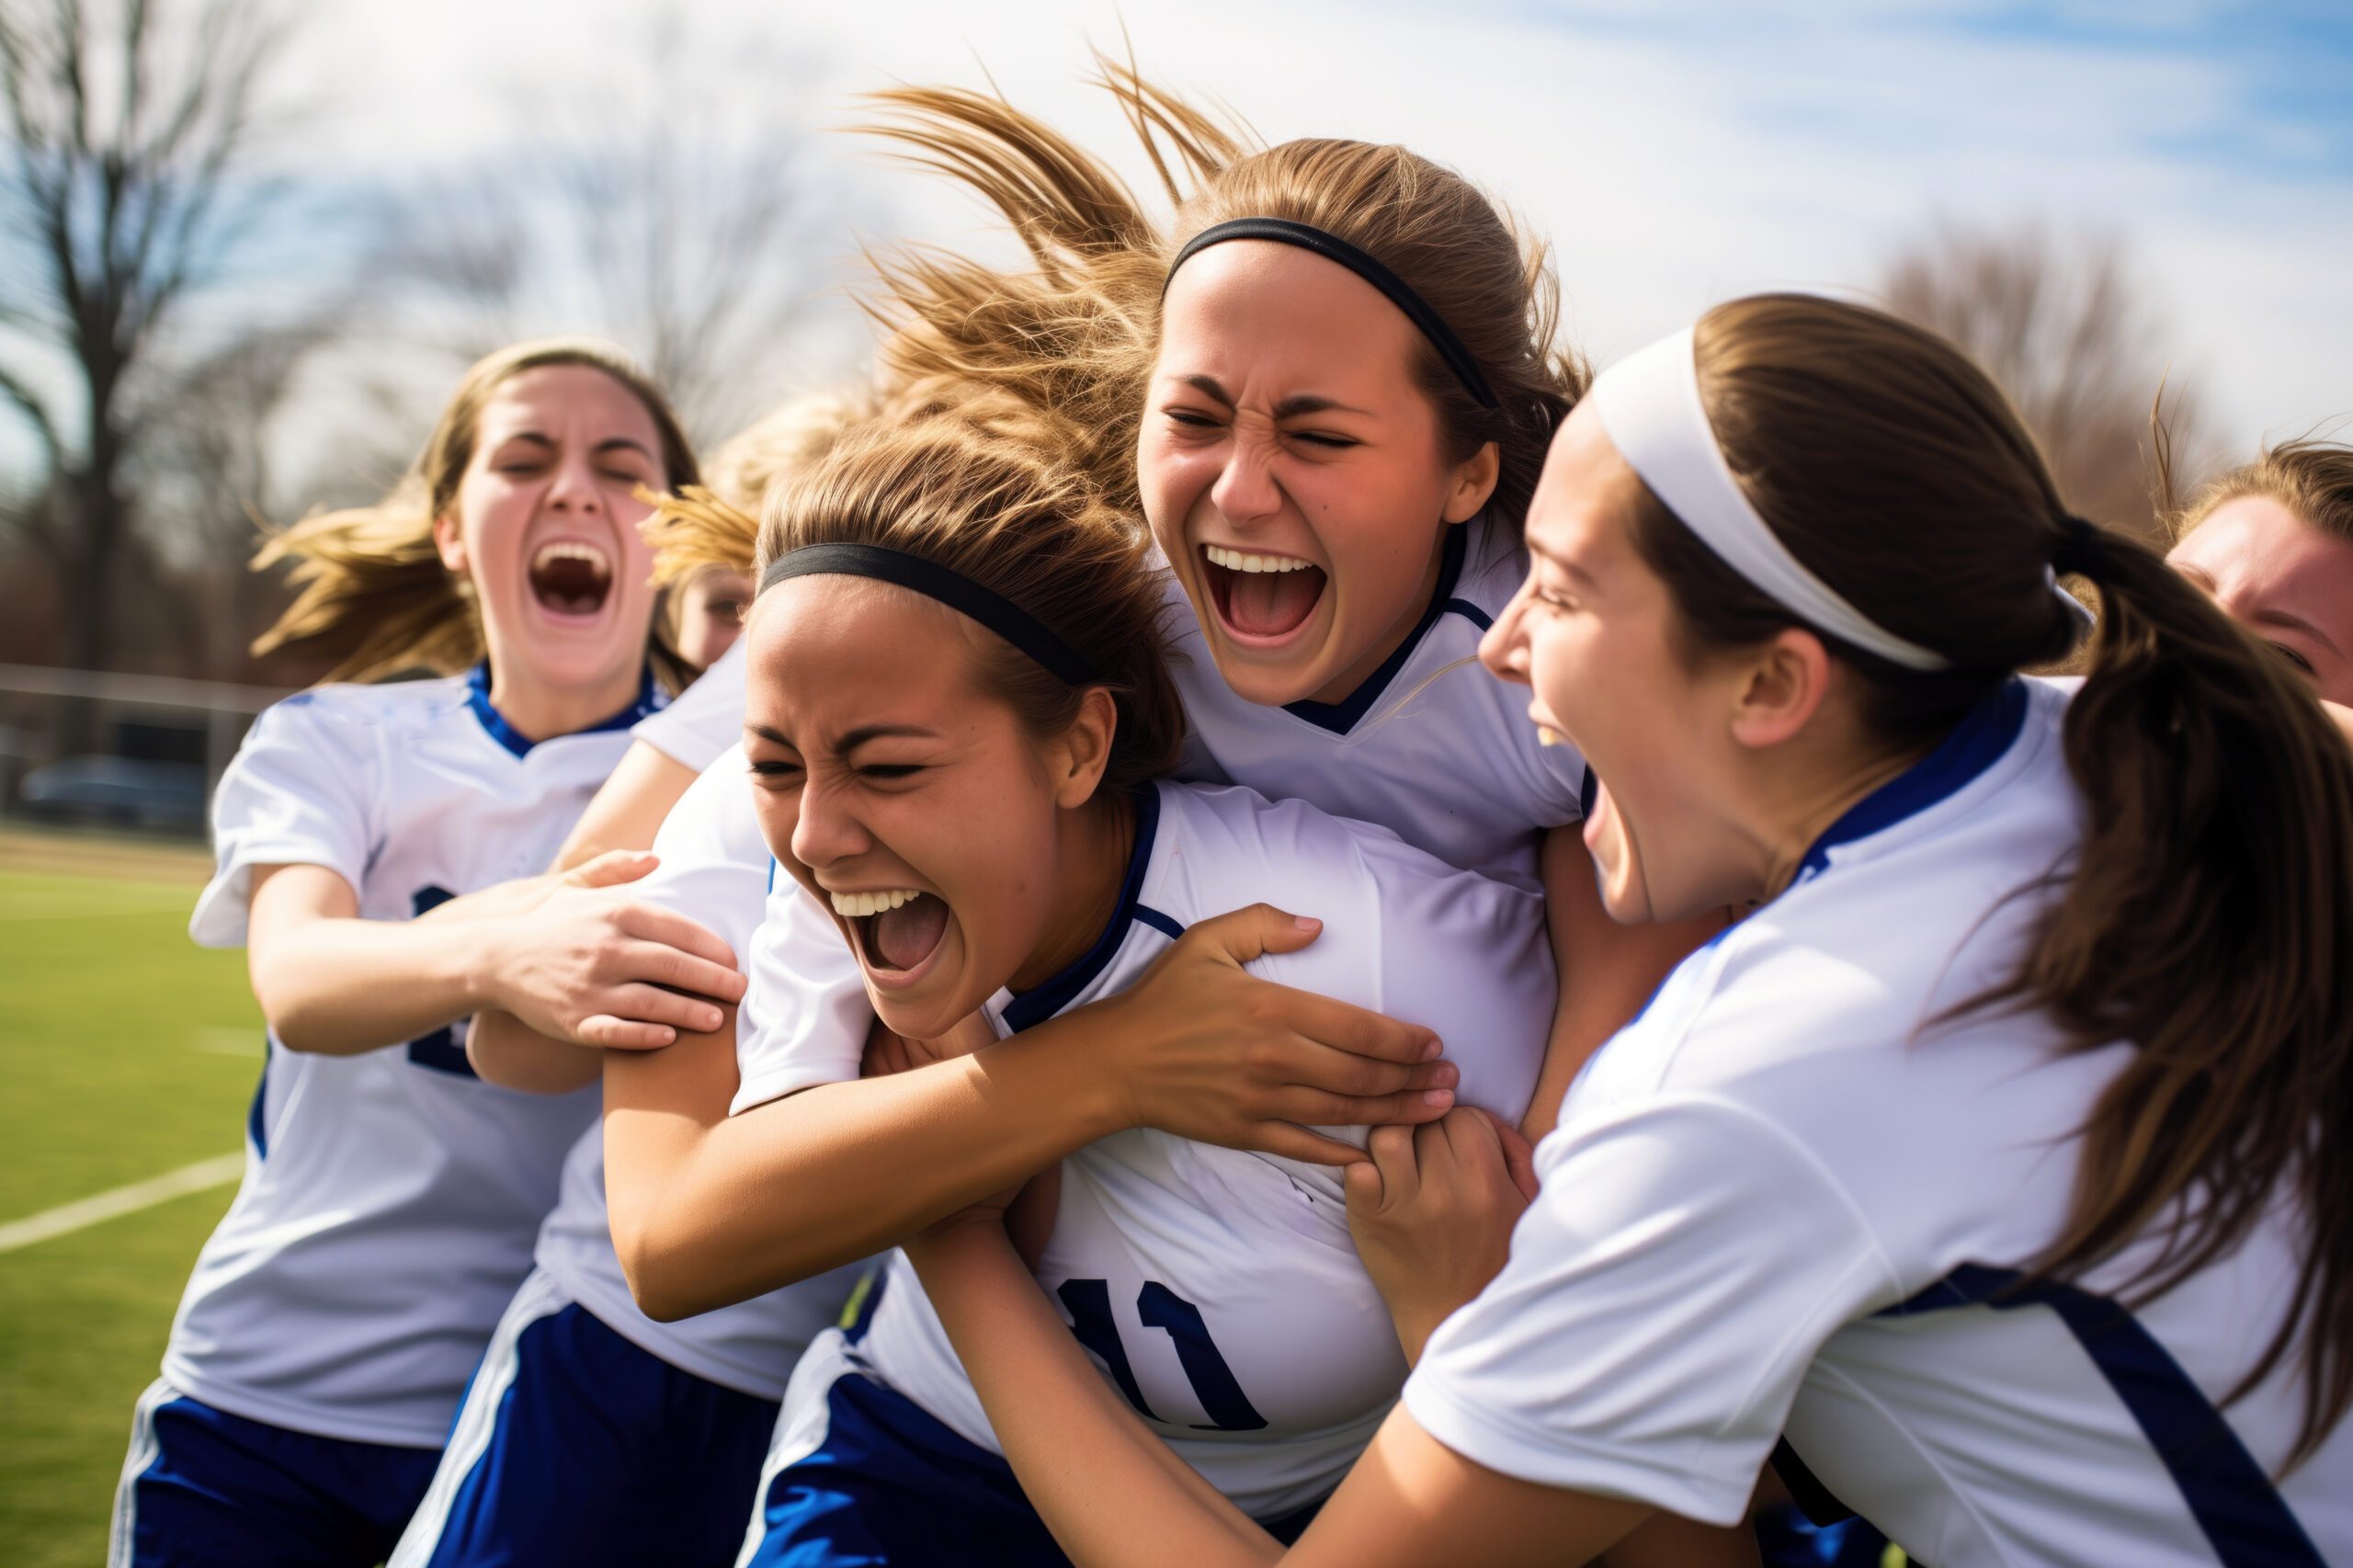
(2061, 326)
(670, 204)
(126, 189)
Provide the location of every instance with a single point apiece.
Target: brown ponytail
(1026, 527)
(1076, 338)
(370, 589)
(2210, 913)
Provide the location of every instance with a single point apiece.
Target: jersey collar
(1341, 717)
(647, 700)
(1042, 1002)
(1979, 741)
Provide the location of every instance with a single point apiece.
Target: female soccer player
(958, 707)
(592, 1433)
(1998, 1157)
(391, 1197)
(2272, 540)
(1406, 347)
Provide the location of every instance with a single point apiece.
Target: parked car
(123, 791)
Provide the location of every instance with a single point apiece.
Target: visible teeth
(852, 905)
(573, 550)
(1235, 560)
(1548, 737)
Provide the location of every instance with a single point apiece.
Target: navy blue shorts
(206, 1488)
(577, 1447)
(888, 1484)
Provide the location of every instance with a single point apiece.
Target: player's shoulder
(1221, 838)
(717, 812)
(400, 706)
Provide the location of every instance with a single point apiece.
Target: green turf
(128, 1051)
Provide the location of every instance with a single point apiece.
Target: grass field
(128, 1052)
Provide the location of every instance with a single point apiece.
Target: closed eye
(1322, 439)
(2293, 657)
(890, 769)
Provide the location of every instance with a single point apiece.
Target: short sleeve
(299, 793)
(713, 864)
(1664, 1297)
(808, 1013)
(706, 719)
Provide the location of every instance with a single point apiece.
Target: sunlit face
(545, 526)
(711, 614)
(880, 768)
(1590, 633)
(2283, 579)
(1294, 471)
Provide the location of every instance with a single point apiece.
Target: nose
(574, 487)
(1504, 650)
(826, 831)
(1245, 490)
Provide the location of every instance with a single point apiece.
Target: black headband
(933, 581)
(1331, 248)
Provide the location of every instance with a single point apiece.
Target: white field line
(83, 1212)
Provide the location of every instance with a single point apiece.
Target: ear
(1780, 687)
(1084, 751)
(451, 542)
(1473, 483)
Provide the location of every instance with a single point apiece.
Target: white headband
(1649, 404)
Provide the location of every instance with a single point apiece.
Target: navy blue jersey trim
(1470, 613)
(1975, 744)
(258, 1118)
(1341, 717)
(2243, 1517)
(478, 698)
(1040, 1003)
(1165, 925)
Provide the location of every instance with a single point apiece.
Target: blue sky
(1676, 152)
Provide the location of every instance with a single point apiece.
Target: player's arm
(629, 808)
(1115, 1494)
(331, 983)
(1197, 1047)
(1608, 971)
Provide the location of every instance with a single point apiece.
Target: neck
(1097, 842)
(1344, 686)
(1793, 818)
(540, 712)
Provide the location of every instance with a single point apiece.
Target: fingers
(623, 1034)
(1365, 1190)
(653, 1004)
(1399, 1162)
(658, 964)
(675, 930)
(1320, 1109)
(1356, 1030)
(1520, 1159)
(611, 868)
(1297, 1143)
(1247, 934)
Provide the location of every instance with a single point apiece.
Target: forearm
(1113, 1493)
(709, 1209)
(506, 1052)
(342, 986)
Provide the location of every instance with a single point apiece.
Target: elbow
(662, 1288)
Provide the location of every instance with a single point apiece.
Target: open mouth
(571, 577)
(1261, 598)
(897, 930)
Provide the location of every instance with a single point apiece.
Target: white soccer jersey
(707, 718)
(1793, 1197)
(714, 870)
(390, 1198)
(1430, 745)
(1220, 1290)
